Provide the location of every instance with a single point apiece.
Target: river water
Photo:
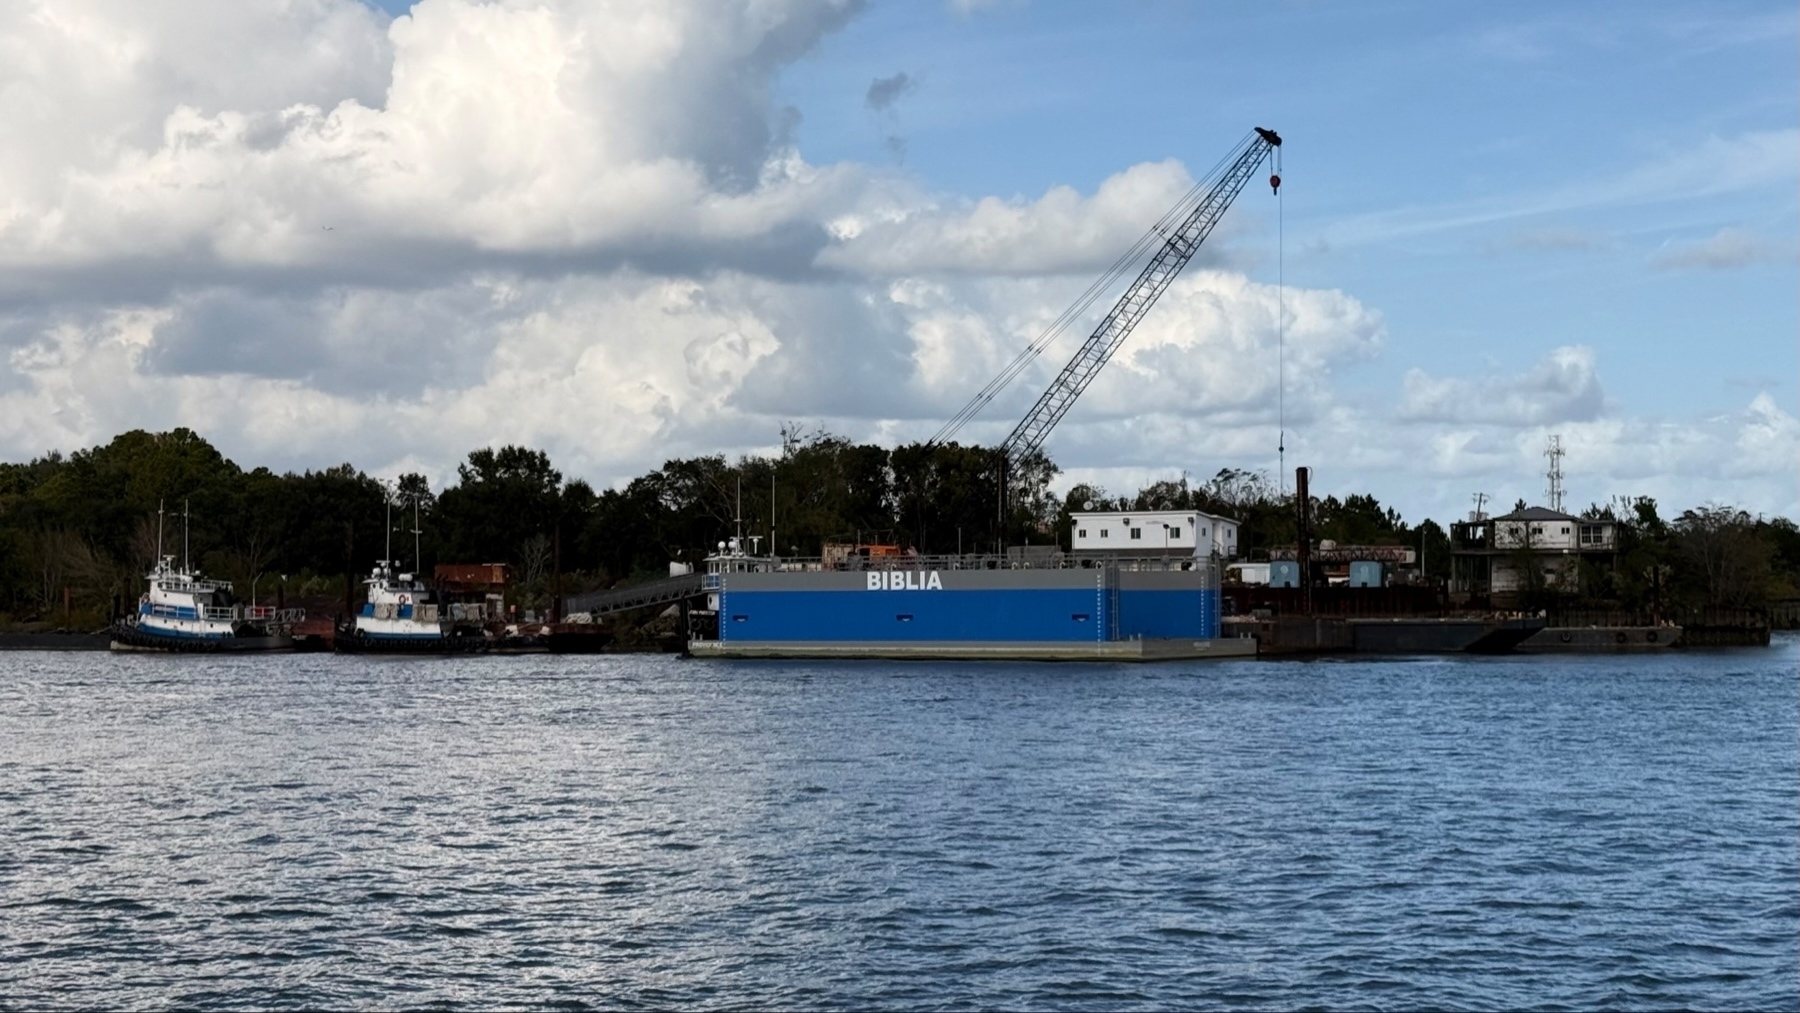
(634, 831)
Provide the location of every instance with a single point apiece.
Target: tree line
(79, 531)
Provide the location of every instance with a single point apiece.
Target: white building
(1154, 533)
(1549, 531)
(1534, 547)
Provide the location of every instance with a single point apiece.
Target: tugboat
(401, 617)
(184, 612)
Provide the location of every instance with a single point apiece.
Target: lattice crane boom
(1167, 262)
(1178, 247)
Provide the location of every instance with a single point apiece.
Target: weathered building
(1501, 558)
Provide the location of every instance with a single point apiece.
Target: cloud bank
(315, 235)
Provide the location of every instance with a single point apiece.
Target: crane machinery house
(1152, 532)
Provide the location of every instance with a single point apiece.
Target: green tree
(1357, 520)
(1727, 559)
(503, 498)
(1434, 549)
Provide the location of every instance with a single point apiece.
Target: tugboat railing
(192, 586)
(258, 613)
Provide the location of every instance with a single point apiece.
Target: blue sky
(1499, 181)
(1459, 168)
(641, 230)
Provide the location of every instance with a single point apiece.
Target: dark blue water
(559, 833)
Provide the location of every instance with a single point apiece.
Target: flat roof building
(1153, 533)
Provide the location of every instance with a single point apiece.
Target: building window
(1565, 529)
(1104, 532)
(1174, 531)
(1082, 533)
(1137, 532)
(1592, 534)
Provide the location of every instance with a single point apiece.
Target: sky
(625, 231)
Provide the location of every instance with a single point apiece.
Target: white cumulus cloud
(1562, 387)
(317, 234)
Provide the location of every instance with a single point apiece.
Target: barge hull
(980, 650)
(1601, 639)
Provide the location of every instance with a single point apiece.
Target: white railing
(192, 586)
(970, 561)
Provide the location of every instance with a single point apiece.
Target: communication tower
(1555, 453)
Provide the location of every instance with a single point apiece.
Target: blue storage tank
(1284, 573)
(1366, 573)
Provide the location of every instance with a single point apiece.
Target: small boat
(401, 617)
(184, 612)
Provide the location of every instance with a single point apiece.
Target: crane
(1181, 232)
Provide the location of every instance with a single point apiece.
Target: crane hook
(1274, 183)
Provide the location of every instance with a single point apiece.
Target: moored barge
(1052, 606)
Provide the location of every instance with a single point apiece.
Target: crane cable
(1120, 267)
(1280, 331)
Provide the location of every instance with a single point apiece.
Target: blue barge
(1050, 607)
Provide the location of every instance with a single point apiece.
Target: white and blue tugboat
(184, 612)
(401, 616)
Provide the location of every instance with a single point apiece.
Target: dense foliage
(87, 525)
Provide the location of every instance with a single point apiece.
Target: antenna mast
(1555, 475)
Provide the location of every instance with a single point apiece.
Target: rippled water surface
(562, 833)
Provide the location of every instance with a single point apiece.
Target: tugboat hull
(354, 641)
(131, 637)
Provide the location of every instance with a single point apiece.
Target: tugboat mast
(387, 551)
(418, 563)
